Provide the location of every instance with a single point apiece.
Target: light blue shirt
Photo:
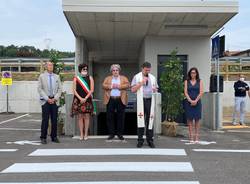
(115, 92)
(51, 83)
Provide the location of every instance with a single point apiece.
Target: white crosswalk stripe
(100, 167)
(156, 161)
(116, 182)
(61, 152)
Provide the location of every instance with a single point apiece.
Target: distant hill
(29, 51)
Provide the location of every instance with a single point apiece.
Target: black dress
(77, 106)
(193, 112)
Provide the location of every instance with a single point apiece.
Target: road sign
(222, 46)
(6, 78)
(216, 47)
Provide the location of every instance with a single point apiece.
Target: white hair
(115, 66)
(45, 64)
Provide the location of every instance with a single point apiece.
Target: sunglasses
(85, 69)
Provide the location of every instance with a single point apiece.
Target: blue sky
(30, 22)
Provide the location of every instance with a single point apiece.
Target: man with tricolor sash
(144, 85)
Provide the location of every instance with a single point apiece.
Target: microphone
(147, 80)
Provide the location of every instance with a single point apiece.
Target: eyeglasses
(115, 70)
(85, 69)
(193, 72)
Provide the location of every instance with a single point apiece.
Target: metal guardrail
(231, 70)
(16, 64)
(230, 67)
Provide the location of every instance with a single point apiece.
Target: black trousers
(49, 111)
(140, 131)
(115, 105)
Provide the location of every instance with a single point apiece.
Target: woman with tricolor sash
(82, 106)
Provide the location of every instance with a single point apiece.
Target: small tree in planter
(58, 67)
(171, 82)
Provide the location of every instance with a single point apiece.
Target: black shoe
(43, 141)
(151, 144)
(139, 144)
(56, 140)
(110, 137)
(121, 137)
(243, 124)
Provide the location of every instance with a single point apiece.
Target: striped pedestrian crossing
(125, 162)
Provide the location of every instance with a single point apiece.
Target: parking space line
(221, 150)
(239, 131)
(8, 150)
(29, 129)
(12, 119)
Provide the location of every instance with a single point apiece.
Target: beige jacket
(124, 85)
(43, 88)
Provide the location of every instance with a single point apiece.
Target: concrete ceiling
(119, 35)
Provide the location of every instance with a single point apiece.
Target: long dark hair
(197, 74)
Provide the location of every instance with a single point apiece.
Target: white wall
(23, 96)
(197, 49)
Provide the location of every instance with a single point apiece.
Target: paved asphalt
(230, 166)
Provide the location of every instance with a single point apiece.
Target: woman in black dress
(83, 88)
(193, 91)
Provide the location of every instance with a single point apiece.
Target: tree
(171, 82)
(30, 51)
(54, 58)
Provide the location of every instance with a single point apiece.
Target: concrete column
(90, 64)
(81, 52)
(209, 110)
(157, 120)
(70, 122)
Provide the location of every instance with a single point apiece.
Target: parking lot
(221, 157)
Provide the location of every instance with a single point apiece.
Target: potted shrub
(61, 116)
(171, 82)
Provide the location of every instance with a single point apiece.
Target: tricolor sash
(140, 103)
(86, 88)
